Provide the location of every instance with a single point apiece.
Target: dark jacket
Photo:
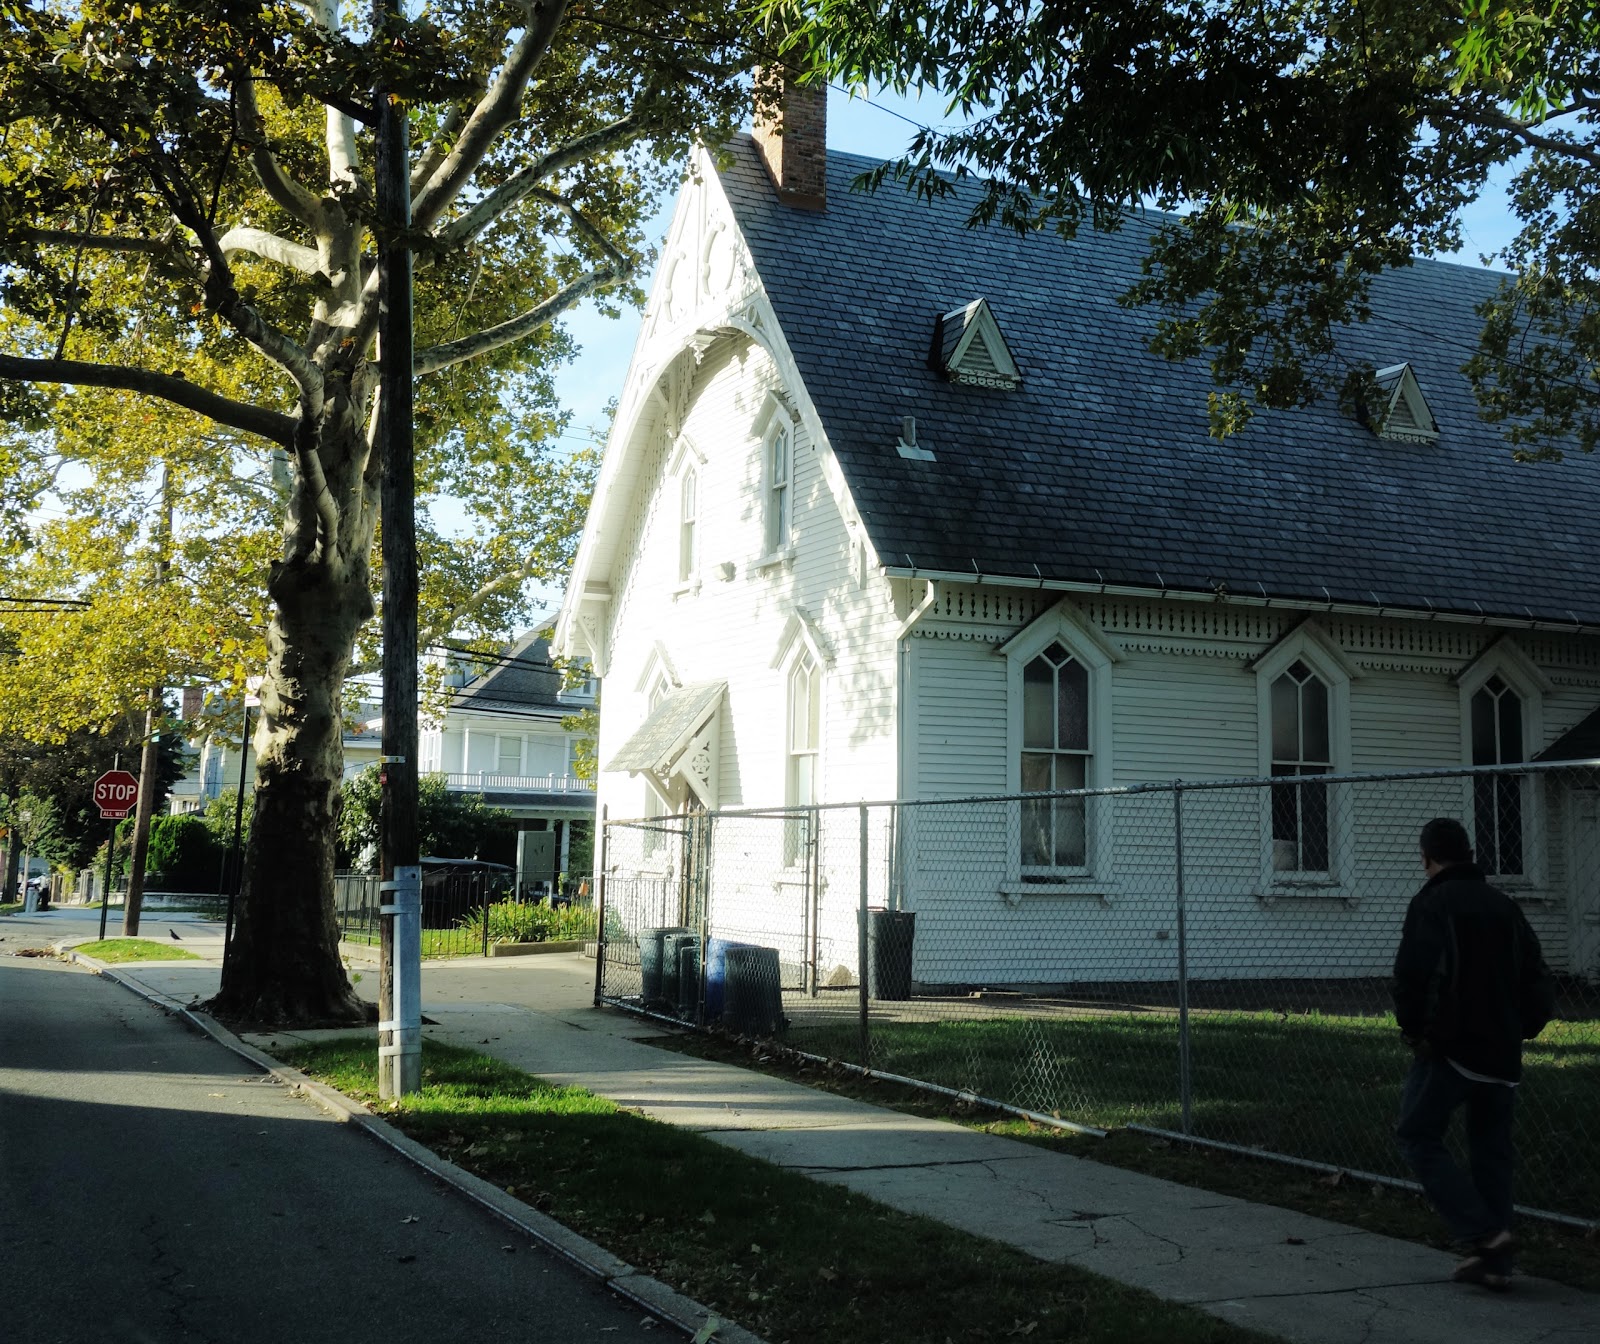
(1467, 963)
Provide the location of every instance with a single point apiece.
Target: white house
(502, 736)
(894, 508)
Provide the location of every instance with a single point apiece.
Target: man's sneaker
(1490, 1264)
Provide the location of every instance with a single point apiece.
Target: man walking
(1470, 984)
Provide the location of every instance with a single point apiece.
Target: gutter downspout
(903, 649)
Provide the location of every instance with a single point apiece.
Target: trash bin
(673, 941)
(652, 965)
(889, 938)
(716, 974)
(688, 976)
(752, 994)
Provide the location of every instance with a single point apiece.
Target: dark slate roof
(1100, 469)
(526, 682)
(1581, 742)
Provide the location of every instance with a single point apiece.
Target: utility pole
(400, 946)
(152, 736)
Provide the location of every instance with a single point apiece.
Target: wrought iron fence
(1209, 960)
(464, 913)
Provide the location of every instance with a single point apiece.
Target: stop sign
(115, 793)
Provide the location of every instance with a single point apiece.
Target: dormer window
(969, 349)
(1405, 415)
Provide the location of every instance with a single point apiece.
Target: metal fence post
(813, 903)
(861, 944)
(1185, 1099)
(600, 911)
(486, 893)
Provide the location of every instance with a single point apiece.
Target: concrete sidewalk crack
(1361, 1290)
(894, 1166)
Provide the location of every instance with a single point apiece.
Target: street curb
(594, 1260)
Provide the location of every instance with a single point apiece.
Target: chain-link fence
(1206, 959)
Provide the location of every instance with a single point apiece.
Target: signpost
(115, 793)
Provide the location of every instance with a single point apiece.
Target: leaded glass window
(1497, 799)
(1301, 747)
(1055, 757)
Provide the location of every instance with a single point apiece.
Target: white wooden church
(895, 508)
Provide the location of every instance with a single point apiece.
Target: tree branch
(1520, 130)
(289, 194)
(270, 425)
(516, 187)
(496, 110)
(479, 343)
(270, 247)
(95, 242)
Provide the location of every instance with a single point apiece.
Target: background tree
(187, 267)
(449, 825)
(1313, 144)
(64, 772)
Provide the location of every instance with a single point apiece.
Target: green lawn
(113, 950)
(435, 942)
(10, 907)
(792, 1259)
(1311, 1085)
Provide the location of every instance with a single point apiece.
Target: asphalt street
(154, 1190)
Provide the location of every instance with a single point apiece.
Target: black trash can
(673, 941)
(752, 992)
(653, 966)
(889, 938)
(688, 976)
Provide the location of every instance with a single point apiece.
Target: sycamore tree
(187, 267)
(1310, 144)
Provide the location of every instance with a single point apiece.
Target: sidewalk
(1295, 1276)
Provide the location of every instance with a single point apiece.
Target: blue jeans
(1476, 1203)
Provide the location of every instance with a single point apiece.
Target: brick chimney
(791, 123)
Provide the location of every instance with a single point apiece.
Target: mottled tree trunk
(283, 966)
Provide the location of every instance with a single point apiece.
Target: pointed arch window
(1055, 757)
(1497, 807)
(688, 520)
(1302, 747)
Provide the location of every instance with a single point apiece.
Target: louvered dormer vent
(969, 349)
(1406, 417)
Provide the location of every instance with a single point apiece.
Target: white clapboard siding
(726, 626)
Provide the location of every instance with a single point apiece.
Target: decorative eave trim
(659, 658)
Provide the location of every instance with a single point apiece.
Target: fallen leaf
(405, 1259)
(706, 1332)
(1334, 1181)
(827, 1275)
(1295, 1241)
(708, 1217)
(511, 1249)
(409, 1218)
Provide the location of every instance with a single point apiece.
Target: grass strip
(10, 907)
(1317, 1085)
(1567, 1255)
(113, 950)
(796, 1260)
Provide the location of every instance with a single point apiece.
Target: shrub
(530, 922)
(184, 852)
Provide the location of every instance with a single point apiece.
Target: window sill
(1099, 889)
(690, 589)
(1307, 888)
(784, 555)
